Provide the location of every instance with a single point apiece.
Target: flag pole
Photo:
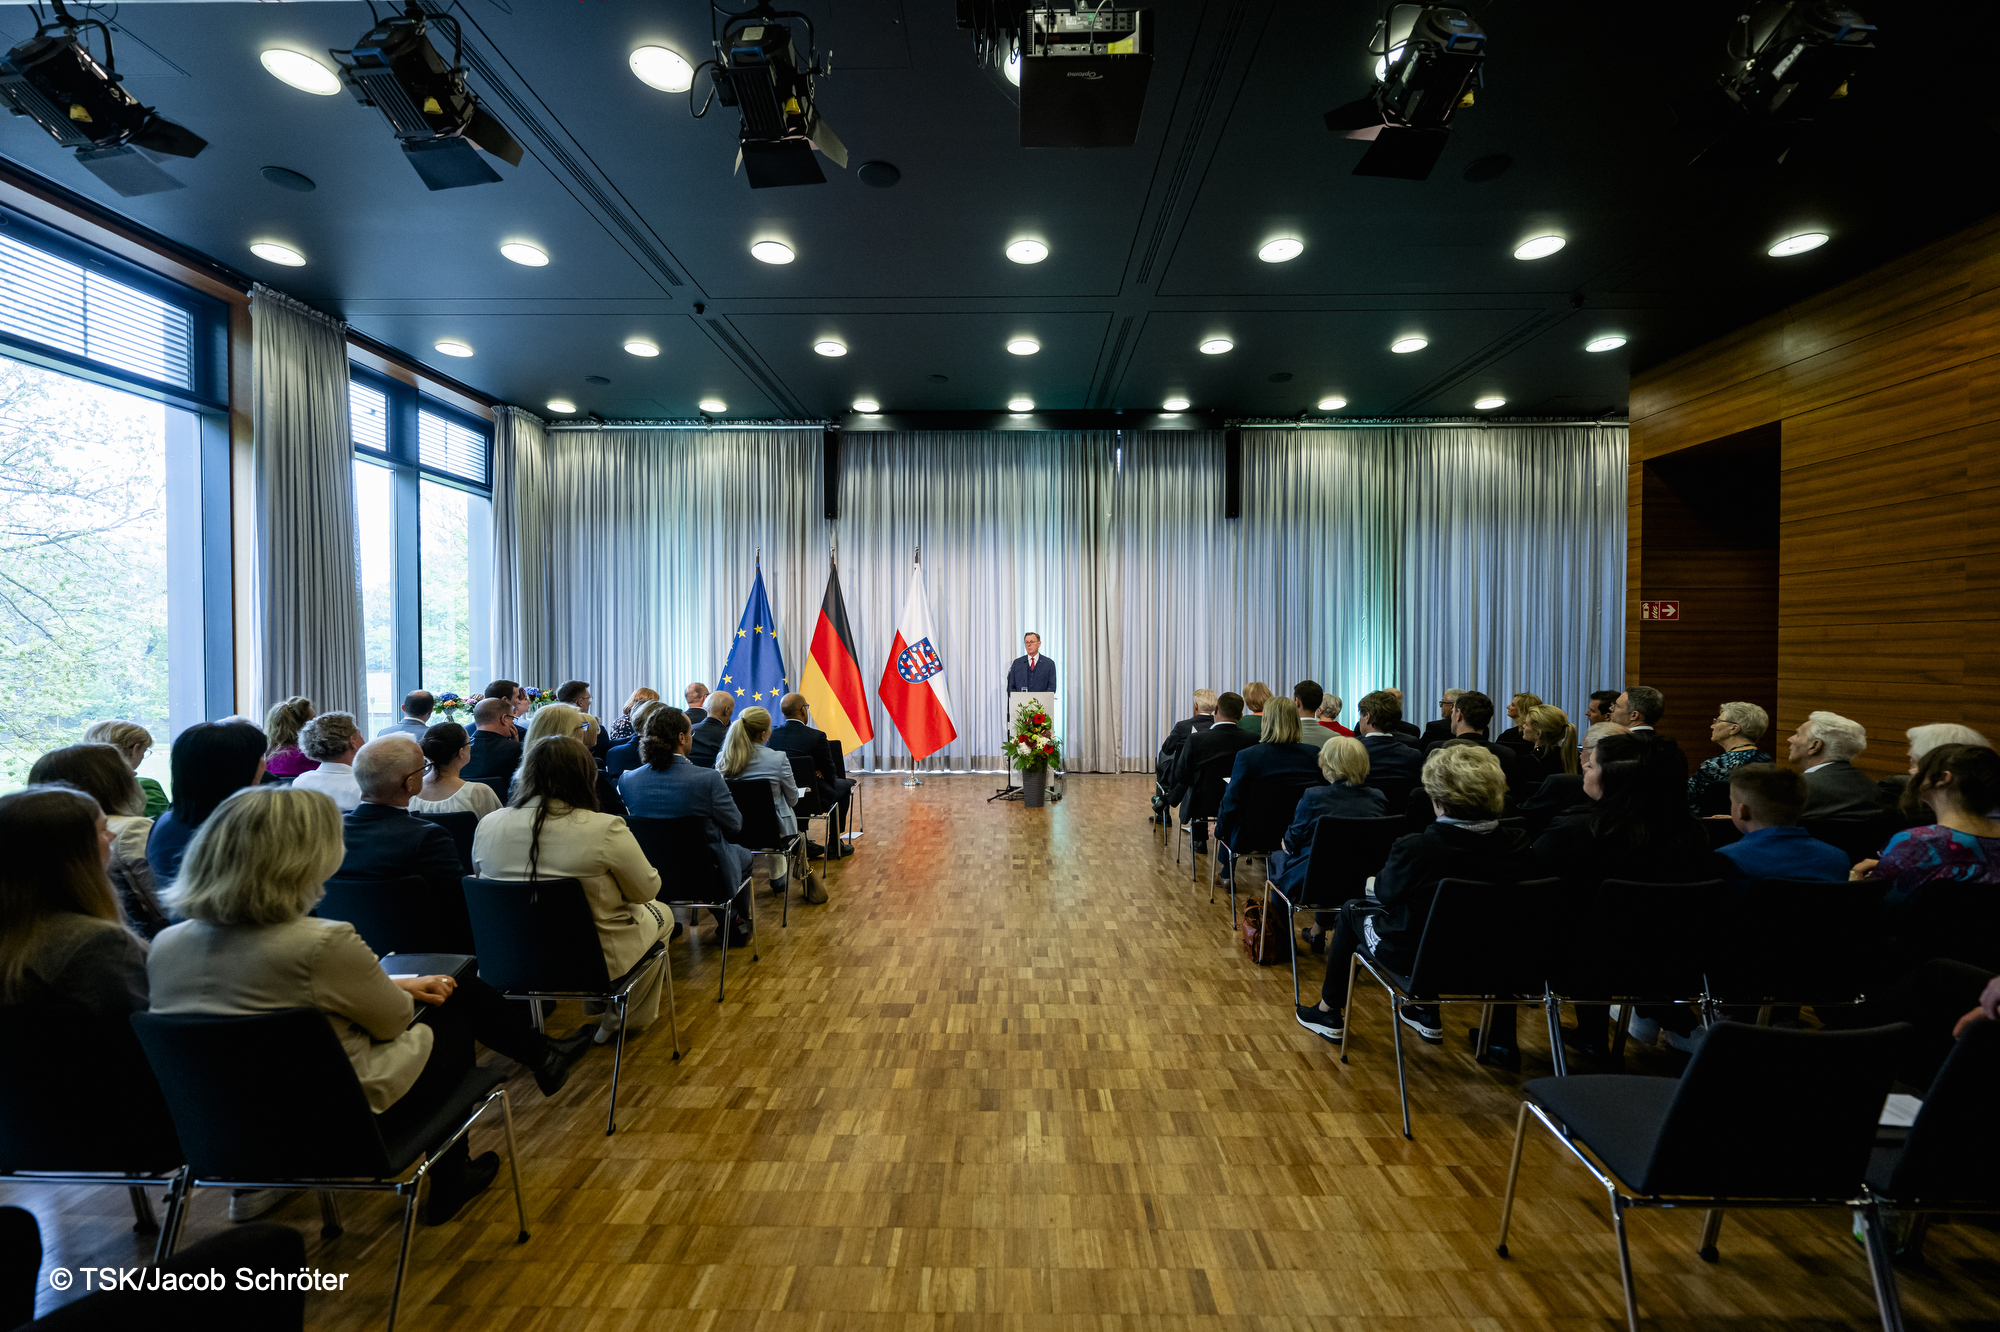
(916, 564)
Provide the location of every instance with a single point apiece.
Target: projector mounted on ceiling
(756, 70)
(1428, 59)
(58, 84)
(441, 122)
(1082, 70)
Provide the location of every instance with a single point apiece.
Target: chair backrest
(78, 1094)
(1395, 790)
(690, 873)
(500, 786)
(755, 799)
(1951, 1153)
(1779, 942)
(1721, 832)
(839, 757)
(535, 936)
(1947, 919)
(390, 915)
(1268, 806)
(1206, 787)
(1485, 939)
(1860, 837)
(1345, 853)
(1631, 940)
(461, 824)
(805, 776)
(263, 1095)
(1772, 1112)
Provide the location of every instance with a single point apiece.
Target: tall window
(424, 514)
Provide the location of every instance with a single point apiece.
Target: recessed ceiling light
(1799, 244)
(1024, 346)
(453, 348)
(1487, 404)
(1216, 346)
(1278, 251)
(278, 254)
(524, 254)
(301, 71)
(1020, 404)
(657, 67)
(713, 406)
(1404, 346)
(828, 347)
(867, 405)
(561, 406)
(1027, 251)
(638, 348)
(772, 252)
(1175, 404)
(1332, 404)
(1539, 247)
(1612, 343)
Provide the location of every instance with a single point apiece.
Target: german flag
(832, 683)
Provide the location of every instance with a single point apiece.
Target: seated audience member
(1639, 708)
(1307, 695)
(133, 742)
(332, 739)
(1765, 802)
(709, 733)
(1256, 695)
(746, 758)
(1170, 748)
(1468, 791)
(1923, 739)
(576, 693)
(1548, 740)
(1440, 730)
(622, 729)
(282, 724)
(1390, 759)
(1328, 715)
(447, 749)
(418, 705)
(385, 842)
(1959, 785)
(562, 719)
(1219, 743)
(669, 786)
(63, 940)
(1471, 716)
(1343, 761)
(210, 762)
(1517, 712)
(100, 772)
(1403, 728)
(1279, 757)
(1598, 708)
(835, 789)
(246, 945)
(1735, 729)
(1823, 746)
(624, 756)
(496, 749)
(696, 695)
(1560, 797)
(514, 701)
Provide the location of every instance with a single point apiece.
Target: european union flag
(755, 671)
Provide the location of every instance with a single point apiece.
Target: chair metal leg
(403, 1250)
(1624, 1260)
(535, 1015)
(143, 1220)
(1888, 1300)
(753, 912)
(1711, 1226)
(329, 1215)
(1402, 1082)
(1552, 1011)
(1347, 1012)
(1485, 1031)
(618, 1059)
(667, 984)
(1513, 1178)
(513, 1163)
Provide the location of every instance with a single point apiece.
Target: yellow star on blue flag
(754, 656)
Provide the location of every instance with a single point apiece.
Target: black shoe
(1422, 1019)
(740, 931)
(1316, 941)
(841, 851)
(1319, 1023)
(553, 1071)
(679, 930)
(1200, 846)
(456, 1182)
(1497, 1056)
(815, 850)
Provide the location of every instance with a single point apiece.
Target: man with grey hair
(696, 695)
(385, 842)
(1170, 748)
(1439, 731)
(332, 739)
(1824, 745)
(1639, 708)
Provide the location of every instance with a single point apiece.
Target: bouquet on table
(449, 704)
(538, 698)
(1032, 745)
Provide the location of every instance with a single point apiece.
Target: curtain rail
(1281, 423)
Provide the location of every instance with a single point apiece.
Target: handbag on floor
(1267, 948)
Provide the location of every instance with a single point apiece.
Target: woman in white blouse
(553, 830)
(745, 757)
(447, 748)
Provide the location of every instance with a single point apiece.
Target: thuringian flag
(755, 671)
(913, 690)
(832, 684)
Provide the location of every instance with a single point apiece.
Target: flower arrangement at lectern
(1033, 747)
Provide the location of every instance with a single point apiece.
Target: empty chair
(219, 1075)
(461, 824)
(538, 940)
(814, 804)
(1347, 853)
(1764, 1117)
(691, 875)
(762, 834)
(1634, 943)
(1206, 786)
(1777, 942)
(392, 915)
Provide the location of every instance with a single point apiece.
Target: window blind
(368, 410)
(72, 309)
(448, 447)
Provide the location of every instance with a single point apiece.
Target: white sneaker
(1643, 1030)
(249, 1204)
(607, 1027)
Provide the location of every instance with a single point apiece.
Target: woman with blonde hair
(100, 772)
(255, 869)
(63, 940)
(282, 724)
(560, 719)
(1518, 708)
(133, 742)
(1343, 761)
(745, 757)
(1550, 740)
(1278, 756)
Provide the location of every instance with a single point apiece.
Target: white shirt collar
(1470, 825)
(1817, 766)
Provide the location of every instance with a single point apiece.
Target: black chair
(1346, 853)
(1483, 943)
(1268, 807)
(1395, 790)
(1633, 943)
(839, 775)
(461, 824)
(1783, 943)
(1948, 1161)
(692, 875)
(80, 1105)
(1859, 838)
(219, 1074)
(538, 940)
(1721, 832)
(256, 1246)
(762, 834)
(1763, 1118)
(1206, 786)
(813, 803)
(393, 915)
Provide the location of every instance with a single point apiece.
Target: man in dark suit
(385, 841)
(1598, 707)
(1402, 725)
(1224, 737)
(796, 735)
(1393, 766)
(1823, 745)
(696, 695)
(1170, 748)
(1439, 731)
(495, 751)
(1031, 673)
(1471, 714)
(713, 729)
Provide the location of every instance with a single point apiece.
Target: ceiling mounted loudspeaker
(1431, 62)
(286, 179)
(445, 130)
(878, 175)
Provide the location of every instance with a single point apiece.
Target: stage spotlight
(1431, 60)
(442, 124)
(1082, 69)
(1785, 63)
(58, 84)
(756, 69)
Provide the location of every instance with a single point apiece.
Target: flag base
(913, 781)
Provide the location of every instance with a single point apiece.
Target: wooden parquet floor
(1017, 1076)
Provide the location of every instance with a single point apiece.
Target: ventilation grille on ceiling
(368, 411)
(448, 447)
(67, 307)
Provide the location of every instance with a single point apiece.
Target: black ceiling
(1153, 246)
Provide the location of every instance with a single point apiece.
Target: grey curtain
(521, 479)
(307, 592)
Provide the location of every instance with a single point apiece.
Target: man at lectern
(1031, 673)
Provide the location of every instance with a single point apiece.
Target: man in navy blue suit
(1031, 673)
